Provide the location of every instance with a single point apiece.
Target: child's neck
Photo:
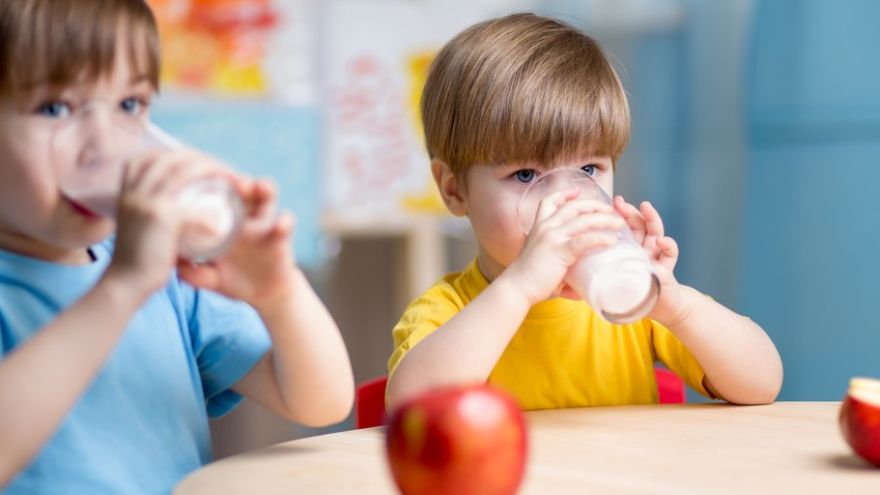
(35, 249)
(489, 268)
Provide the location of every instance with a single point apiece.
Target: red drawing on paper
(370, 123)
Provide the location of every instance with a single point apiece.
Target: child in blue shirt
(113, 353)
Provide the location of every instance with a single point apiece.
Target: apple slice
(860, 418)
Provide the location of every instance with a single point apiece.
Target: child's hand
(259, 267)
(565, 228)
(148, 219)
(647, 227)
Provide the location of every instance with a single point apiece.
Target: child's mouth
(82, 210)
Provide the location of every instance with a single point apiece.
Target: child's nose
(558, 181)
(100, 136)
(94, 126)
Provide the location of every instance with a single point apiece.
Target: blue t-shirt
(142, 424)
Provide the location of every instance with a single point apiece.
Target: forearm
(43, 378)
(309, 360)
(739, 359)
(466, 348)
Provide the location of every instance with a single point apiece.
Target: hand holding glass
(618, 281)
(91, 148)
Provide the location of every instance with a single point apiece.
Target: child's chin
(98, 231)
(568, 293)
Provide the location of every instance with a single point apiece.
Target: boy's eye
(590, 169)
(524, 176)
(54, 109)
(133, 106)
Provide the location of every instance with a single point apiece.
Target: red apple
(860, 418)
(460, 440)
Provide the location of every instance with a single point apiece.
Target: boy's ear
(451, 189)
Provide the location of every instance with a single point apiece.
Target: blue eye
(133, 106)
(524, 176)
(54, 109)
(590, 169)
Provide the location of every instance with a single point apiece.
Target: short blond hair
(58, 42)
(522, 89)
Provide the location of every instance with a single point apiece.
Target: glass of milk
(618, 281)
(90, 148)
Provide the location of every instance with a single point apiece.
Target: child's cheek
(506, 237)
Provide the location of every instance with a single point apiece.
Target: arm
(741, 363)
(43, 378)
(497, 312)
(466, 348)
(306, 377)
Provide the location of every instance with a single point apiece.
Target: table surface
(786, 447)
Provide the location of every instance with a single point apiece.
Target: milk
(618, 282)
(211, 213)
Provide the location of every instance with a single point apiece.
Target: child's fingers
(134, 169)
(205, 276)
(668, 247)
(285, 225)
(631, 214)
(195, 166)
(185, 174)
(262, 199)
(653, 222)
(169, 171)
(575, 209)
(148, 172)
(595, 221)
(277, 227)
(551, 203)
(262, 216)
(583, 243)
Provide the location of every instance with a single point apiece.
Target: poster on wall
(375, 55)
(239, 48)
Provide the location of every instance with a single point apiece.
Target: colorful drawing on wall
(216, 45)
(382, 128)
(428, 199)
(375, 57)
(366, 110)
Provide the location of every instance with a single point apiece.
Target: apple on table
(458, 440)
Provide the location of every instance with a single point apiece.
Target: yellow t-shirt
(563, 355)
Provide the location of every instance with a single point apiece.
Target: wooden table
(787, 447)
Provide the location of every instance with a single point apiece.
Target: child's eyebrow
(139, 78)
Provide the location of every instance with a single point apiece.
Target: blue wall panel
(262, 139)
(812, 233)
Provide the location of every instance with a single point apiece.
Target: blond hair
(58, 42)
(522, 89)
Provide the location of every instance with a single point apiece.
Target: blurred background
(756, 133)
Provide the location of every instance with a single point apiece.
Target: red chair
(369, 403)
(670, 387)
(370, 397)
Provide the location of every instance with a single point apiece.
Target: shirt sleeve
(678, 358)
(424, 315)
(228, 339)
(2, 336)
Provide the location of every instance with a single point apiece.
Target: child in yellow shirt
(506, 101)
